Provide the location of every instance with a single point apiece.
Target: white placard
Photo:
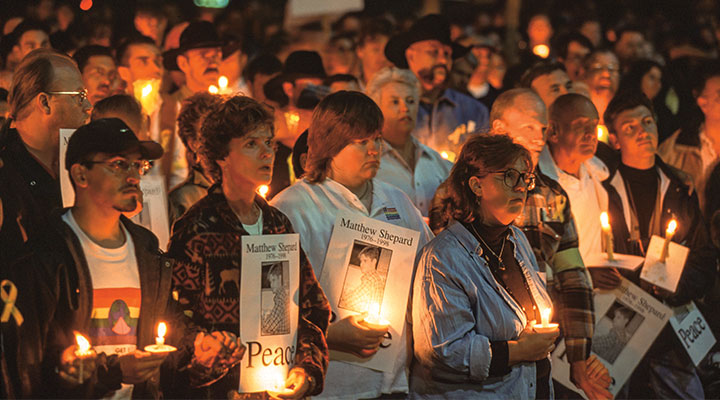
(370, 262)
(66, 189)
(269, 295)
(628, 320)
(693, 331)
(154, 214)
(622, 261)
(309, 8)
(664, 274)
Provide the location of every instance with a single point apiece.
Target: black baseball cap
(108, 135)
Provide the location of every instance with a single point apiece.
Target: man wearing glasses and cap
(446, 117)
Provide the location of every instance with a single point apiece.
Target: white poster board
(269, 288)
(664, 274)
(628, 320)
(369, 264)
(66, 189)
(154, 214)
(622, 261)
(693, 331)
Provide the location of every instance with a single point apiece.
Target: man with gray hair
(548, 223)
(46, 94)
(405, 162)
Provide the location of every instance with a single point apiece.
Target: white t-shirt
(116, 296)
(312, 209)
(587, 198)
(256, 228)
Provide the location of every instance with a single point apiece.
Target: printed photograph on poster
(366, 276)
(275, 302)
(614, 330)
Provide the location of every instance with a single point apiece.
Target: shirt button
(167, 264)
(33, 183)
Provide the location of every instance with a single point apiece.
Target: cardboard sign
(623, 261)
(693, 331)
(269, 296)
(628, 321)
(664, 274)
(154, 214)
(66, 189)
(368, 268)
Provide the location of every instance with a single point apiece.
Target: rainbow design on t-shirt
(115, 316)
(391, 213)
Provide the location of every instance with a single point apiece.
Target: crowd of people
(498, 132)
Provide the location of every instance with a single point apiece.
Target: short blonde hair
(389, 75)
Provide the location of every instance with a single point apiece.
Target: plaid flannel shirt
(548, 223)
(205, 242)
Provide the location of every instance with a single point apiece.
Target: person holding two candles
(477, 286)
(97, 273)
(645, 196)
(237, 149)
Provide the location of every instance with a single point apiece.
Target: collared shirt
(587, 196)
(450, 121)
(312, 209)
(420, 182)
(458, 309)
(549, 226)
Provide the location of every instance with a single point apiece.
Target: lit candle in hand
(546, 326)
(160, 346)
(373, 319)
(83, 351)
(223, 84)
(607, 235)
(669, 233)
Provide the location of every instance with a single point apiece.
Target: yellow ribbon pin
(8, 294)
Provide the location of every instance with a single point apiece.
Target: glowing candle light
(669, 233)
(160, 346)
(276, 384)
(448, 155)
(444, 155)
(263, 190)
(607, 235)
(146, 90)
(546, 326)
(373, 319)
(222, 83)
(86, 5)
(602, 133)
(541, 50)
(83, 351)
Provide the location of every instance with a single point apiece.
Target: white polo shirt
(418, 183)
(312, 209)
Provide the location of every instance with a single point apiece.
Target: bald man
(549, 226)
(569, 159)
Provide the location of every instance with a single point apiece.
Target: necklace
(501, 265)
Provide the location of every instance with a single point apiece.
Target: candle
(607, 235)
(541, 50)
(546, 326)
(222, 83)
(669, 233)
(602, 133)
(448, 155)
(263, 190)
(83, 351)
(160, 346)
(277, 385)
(373, 319)
(213, 89)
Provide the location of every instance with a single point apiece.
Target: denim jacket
(458, 308)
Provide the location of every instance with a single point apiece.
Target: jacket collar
(689, 136)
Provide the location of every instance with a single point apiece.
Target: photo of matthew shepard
(365, 277)
(614, 331)
(275, 301)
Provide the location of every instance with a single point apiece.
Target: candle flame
(605, 221)
(146, 90)
(263, 190)
(545, 314)
(444, 155)
(602, 132)
(222, 82)
(374, 309)
(83, 344)
(213, 89)
(162, 329)
(672, 226)
(541, 50)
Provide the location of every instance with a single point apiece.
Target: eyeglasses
(611, 69)
(123, 166)
(512, 178)
(82, 95)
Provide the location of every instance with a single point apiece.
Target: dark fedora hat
(303, 64)
(197, 35)
(429, 27)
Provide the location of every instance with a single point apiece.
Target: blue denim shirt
(458, 308)
(453, 118)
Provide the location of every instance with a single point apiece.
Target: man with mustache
(198, 57)
(446, 117)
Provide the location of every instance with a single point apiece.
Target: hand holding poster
(269, 282)
(628, 321)
(368, 268)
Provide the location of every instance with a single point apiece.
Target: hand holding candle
(546, 326)
(83, 352)
(669, 233)
(160, 346)
(295, 386)
(373, 319)
(607, 235)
